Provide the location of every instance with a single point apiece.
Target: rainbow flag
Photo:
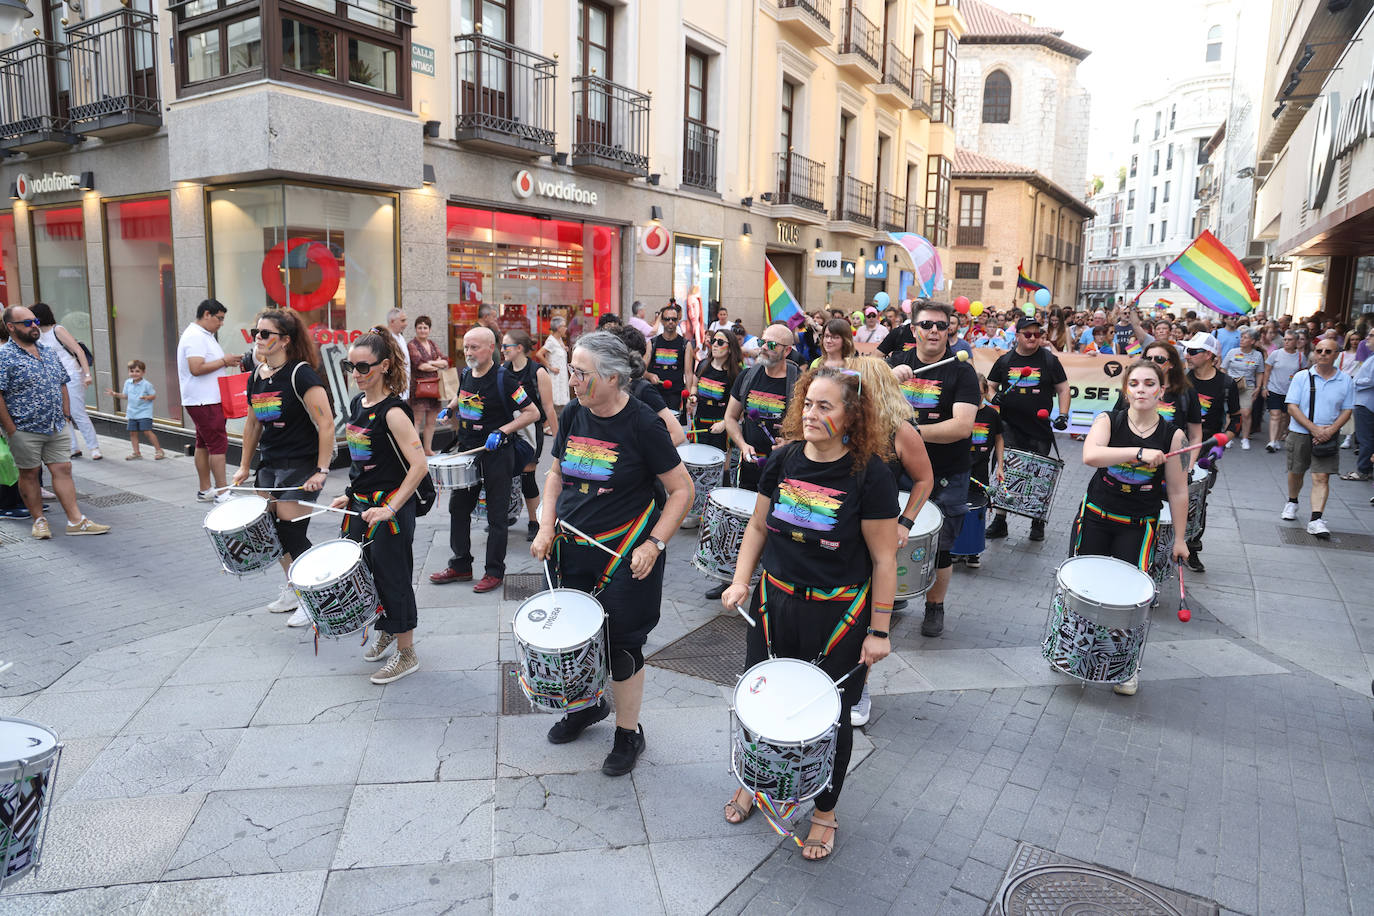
(1213, 276)
(1163, 303)
(778, 301)
(1023, 281)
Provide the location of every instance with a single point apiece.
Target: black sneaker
(973, 561)
(998, 528)
(1195, 559)
(575, 723)
(1037, 530)
(899, 606)
(533, 531)
(626, 750)
(934, 622)
(715, 593)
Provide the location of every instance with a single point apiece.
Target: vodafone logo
(522, 184)
(525, 185)
(28, 187)
(653, 240)
(22, 185)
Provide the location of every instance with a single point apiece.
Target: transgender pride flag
(778, 301)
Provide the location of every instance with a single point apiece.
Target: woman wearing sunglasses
(290, 430)
(715, 376)
(388, 464)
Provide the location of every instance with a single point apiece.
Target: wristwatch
(1140, 454)
(905, 522)
(657, 543)
(881, 634)
(324, 471)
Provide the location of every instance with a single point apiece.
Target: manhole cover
(1340, 540)
(114, 499)
(1040, 882)
(519, 586)
(513, 699)
(713, 651)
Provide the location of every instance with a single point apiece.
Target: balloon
(881, 299)
(1028, 308)
(906, 306)
(961, 305)
(1042, 298)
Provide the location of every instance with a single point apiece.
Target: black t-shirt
(668, 360)
(764, 404)
(987, 426)
(899, 340)
(288, 435)
(1177, 409)
(377, 463)
(529, 380)
(480, 411)
(1131, 489)
(713, 393)
(815, 510)
(1027, 384)
(1217, 399)
(610, 465)
(642, 389)
(933, 395)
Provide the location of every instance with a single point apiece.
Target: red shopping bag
(233, 395)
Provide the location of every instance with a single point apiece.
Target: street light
(11, 13)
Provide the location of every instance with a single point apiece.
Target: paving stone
(87, 714)
(428, 750)
(440, 694)
(559, 813)
(687, 801)
(198, 707)
(293, 894)
(133, 766)
(448, 889)
(276, 756)
(311, 700)
(120, 900)
(526, 884)
(422, 823)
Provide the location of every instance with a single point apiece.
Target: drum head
(235, 513)
(446, 460)
(1166, 516)
(771, 691)
(735, 500)
(1198, 473)
(560, 619)
(928, 520)
(700, 455)
(21, 739)
(325, 562)
(1106, 581)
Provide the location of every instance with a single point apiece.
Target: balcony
(116, 92)
(853, 212)
(505, 97)
(969, 236)
(806, 21)
(699, 156)
(34, 115)
(860, 46)
(612, 129)
(896, 85)
(891, 212)
(920, 91)
(801, 188)
(916, 219)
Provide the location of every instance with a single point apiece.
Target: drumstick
(471, 451)
(324, 508)
(1219, 439)
(742, 612)
(960, 357)
(547, 577)
(803, 706)
(6, 666)
(255, 489)
(1184, 614)
(588, 537)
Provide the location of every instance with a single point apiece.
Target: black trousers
(498, 468)
(1095, 536)
(390, 558)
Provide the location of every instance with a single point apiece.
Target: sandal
(134, 457)
(827, 846)
(741, 814)
(1356, 475)
(158, 456)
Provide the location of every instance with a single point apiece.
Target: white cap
(1203, 341)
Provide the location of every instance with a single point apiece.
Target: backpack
(426, 495)
(90, 357)
(524, 451)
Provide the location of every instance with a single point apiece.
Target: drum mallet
(547, 576)
(855, 670)
(960, 357)
(590, 539)
(1219, 439)
(1184, 614)
(5, 666)
(742, 612)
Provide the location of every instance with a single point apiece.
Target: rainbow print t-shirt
(807, 505)
(922, 393)
(586, 458)
(266, 406)
(359, 441)
(711, 389)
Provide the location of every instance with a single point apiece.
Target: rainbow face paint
(831, 429)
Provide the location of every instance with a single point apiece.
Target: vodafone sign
(654, 239)
(29, 187)
(526, 185)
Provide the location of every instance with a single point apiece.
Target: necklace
(1142, 433)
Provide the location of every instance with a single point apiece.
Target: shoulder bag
(1319, 449)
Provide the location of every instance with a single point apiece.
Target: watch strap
(881, 634)
(905, 522)
(662, 546)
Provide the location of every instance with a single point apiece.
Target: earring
(845, 439)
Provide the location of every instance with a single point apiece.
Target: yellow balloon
(975, 309)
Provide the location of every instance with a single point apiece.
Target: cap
(1029, 321)
(1203, 341)
(870, 311)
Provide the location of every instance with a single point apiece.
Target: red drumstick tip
(1043, 414)
(1184, 614)
(1026, 370)
(1222, 439)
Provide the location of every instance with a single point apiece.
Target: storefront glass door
(59, 256)
(696, 273)
(9, 261)
(142, 295)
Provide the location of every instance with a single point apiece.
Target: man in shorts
(1320, 401)
(200, 363)
(1279, 368)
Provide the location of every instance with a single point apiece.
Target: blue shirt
(1228, 339)
(1364, 385)
(32, 388)
(137, 408)
(1333, 395)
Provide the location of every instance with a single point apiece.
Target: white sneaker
(1245, 445)
(286, 601)
(1347, 442)
(95, 454)
(1129, 687)
(223, 497)
(299, 619)
(1290, 512)
(860, 712)
(205, 496)
(1318, 529)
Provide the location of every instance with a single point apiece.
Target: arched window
(997, 98)
(1214, 43)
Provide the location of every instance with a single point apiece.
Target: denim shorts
(140, 424)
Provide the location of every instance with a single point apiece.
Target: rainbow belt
(622, 539)
(371, 500)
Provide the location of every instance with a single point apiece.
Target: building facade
(1103, 232)
(344, 157)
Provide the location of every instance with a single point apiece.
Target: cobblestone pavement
(216, 764)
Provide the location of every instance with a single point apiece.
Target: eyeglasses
(579, 374)
(668, 318)
(717, 342)
(25, 322)
(359, 367)
(1161, 360)
(774, 345)
(932, 325)
(262, 333)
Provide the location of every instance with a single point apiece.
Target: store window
(59, 260)
(696, 271)
(142, 294)
(531, 269)
(9, 261)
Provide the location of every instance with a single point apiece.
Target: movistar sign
(51, 183)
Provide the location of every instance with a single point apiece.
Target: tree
(1121, 178)
(1097, 184)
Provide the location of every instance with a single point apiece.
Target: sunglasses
(717, 342)
(359, 367)
(774, 345)
(1032, 334)
(1197, 351)
(25, 322)
(505, 347)
(667, 318)
(933, 325)
(1161, 360)
(262, 333)
(1325, 350)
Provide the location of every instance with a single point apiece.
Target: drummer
(516, 349)
(824, 525)
(609, 452)
(290, 430)
(671, 358)
(1120, 512)
(388, 465)
(1029, 377)
(641, 388)
(715, 377)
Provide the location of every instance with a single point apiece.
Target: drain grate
(519, 586)
(713, 651)
(1340, 540)
(115, 499)
(513, 699)
(1040, 881)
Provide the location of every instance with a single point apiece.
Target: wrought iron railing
(860, 36)
(897, 69)
(853, 200)
(801, 182)
(505, 89)
(33, 76)
(699, 155)
(612, 123)
(114, 64)
(920, 90)
(971, 236)
(916, 218)
(819, 10)
(891, 212)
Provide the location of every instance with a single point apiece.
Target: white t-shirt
(405, 351)
(198, 389)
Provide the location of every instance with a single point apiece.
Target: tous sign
(524, 184)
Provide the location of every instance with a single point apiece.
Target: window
(593, 39)
(1135, 159)
(972, 209)
(9, 261)
(1152, 234)
(1163, 229)
(997, 98)
(938, 170)
(1214, 43)
(696, 86)
(1166, 191)
(1156, 162)
(1173, 115)
(223, 50)
(1135, 132)
(142, 293)
(1130, 277)
(1202, 151)
(942, 77)
(966, 270)
(1130, 199)
(789, 98)
(1169, 157)
(1159, 117)
(1128, 236)
(1154, 194)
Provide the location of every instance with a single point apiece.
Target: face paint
(830, 426)
(591, 384)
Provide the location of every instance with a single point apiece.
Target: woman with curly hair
(823, 524)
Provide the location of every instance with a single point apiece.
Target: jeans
(1364, 433)
(81, 421)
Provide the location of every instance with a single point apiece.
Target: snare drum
(243, 534)
(727, 514)
(335, 587)
(706, 464)
(454, 472)
(1028, 484)
(29, 754)
(560, 638)
(778, 747)
(517, 502)
(1199, 485)
(1099, 619)
(916, 561)
(1162, 560)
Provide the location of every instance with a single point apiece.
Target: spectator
(486, 317)
(73, 358)
(637, 320)
(1246, 365)
(139, 411)
(721, 321)
(33, 407)
(200, 363)
(1098, 320)
(1279, 368)
(837, 345)
(1364, 422)
(396, 323)
(427, 361)
(606, 320)
(556, 360)
(1319, 400)
(871, 332)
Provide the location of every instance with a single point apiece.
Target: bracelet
(905, 522)
(881, 634)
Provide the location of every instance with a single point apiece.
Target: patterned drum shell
(335, 587)
(779, 747)
(916, 561)
(1106, 590)
(29, 757)
(1099, 619)
(560, 638)
(243, 535)
(1028, 484)
(706, 464)
(727, 514)
(1162, 560)
(517, 502)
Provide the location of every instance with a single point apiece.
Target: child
(139, 412)
(987, 447)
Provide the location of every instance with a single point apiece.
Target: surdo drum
(243, 534)
(560, 638)
(916, 561)
(1028, 484)
(29, 755)
(335, 587)
(706, 464)
(1099, 619)
(777, 746)
(727, 514)
(517, 502)
(454, 472)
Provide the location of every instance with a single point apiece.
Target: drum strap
(1114, 517)
(371, 500)
(856, 595)
(628, 534)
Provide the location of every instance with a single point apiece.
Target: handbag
(233, 395)
(1319, 449)
(427, 387)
